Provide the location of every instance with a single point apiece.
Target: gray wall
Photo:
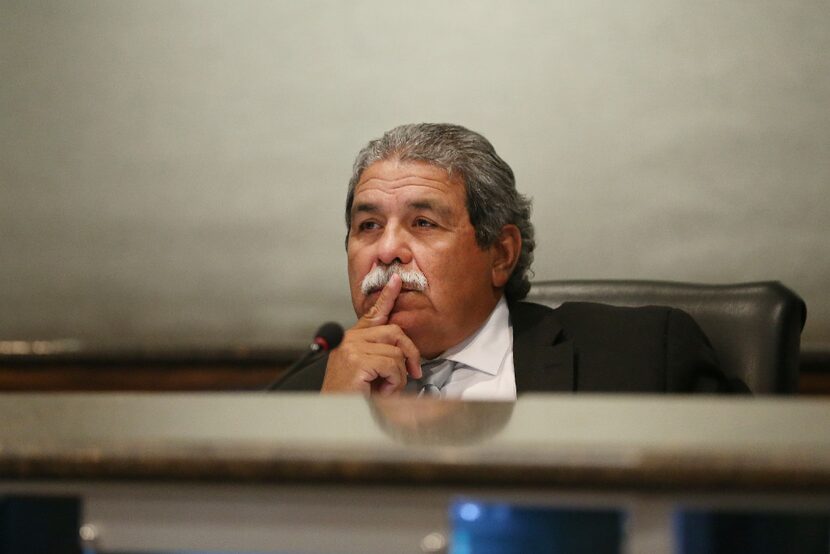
(174, 172)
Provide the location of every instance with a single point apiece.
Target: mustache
(379, 276)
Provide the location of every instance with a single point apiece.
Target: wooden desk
(304, 473)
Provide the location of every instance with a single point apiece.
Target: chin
(406, 320)
(422, 330)
(412, 323)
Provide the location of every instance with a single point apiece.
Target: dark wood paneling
(144, 372)
(815, 372)
(214, 372)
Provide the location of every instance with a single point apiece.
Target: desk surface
(631, 442)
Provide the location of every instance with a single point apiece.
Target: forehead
(404, 177)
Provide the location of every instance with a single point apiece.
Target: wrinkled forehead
(394, 169)
(405, 187)
(395, 179)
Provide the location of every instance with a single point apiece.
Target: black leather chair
(755, 328)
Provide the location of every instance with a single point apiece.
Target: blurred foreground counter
(304, 473)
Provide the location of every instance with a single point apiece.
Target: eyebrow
(364, 207)
(437, 207)
(427, 205)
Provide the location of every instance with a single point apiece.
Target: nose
(394, 245)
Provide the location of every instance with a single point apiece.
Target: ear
(505, 253)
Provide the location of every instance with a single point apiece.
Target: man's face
(413, 213)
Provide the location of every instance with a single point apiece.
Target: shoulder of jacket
(569, 309)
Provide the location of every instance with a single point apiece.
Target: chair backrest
(755, 328)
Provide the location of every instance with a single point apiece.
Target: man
(439, 243)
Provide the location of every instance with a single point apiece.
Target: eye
(368, 225)
(424, 223)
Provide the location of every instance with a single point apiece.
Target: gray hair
(492, 198)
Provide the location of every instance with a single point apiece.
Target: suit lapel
(543, 357)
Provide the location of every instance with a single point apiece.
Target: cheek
(471, 272)
(356, 258)
(447, 275)
(356, 273)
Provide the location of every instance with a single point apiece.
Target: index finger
(412, 355)
(378, 314)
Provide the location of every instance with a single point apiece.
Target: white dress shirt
(485, 361)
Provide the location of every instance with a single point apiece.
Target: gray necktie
(436, 375)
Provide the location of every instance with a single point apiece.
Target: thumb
(378, 314)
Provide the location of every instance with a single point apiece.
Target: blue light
(469, 511)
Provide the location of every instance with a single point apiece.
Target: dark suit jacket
(585, 347)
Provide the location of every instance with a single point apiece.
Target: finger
(376, 364)
(387, 374)
(386, 389)
(384, 349)
(411, 354)
(392, 334)
(378, 314)
(391, 352)
(396, 355)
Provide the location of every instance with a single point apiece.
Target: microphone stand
(312, 353)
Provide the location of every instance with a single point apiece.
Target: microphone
(327, 337)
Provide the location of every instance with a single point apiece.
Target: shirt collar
(485, 349)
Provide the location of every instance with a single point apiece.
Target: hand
(374, 357)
